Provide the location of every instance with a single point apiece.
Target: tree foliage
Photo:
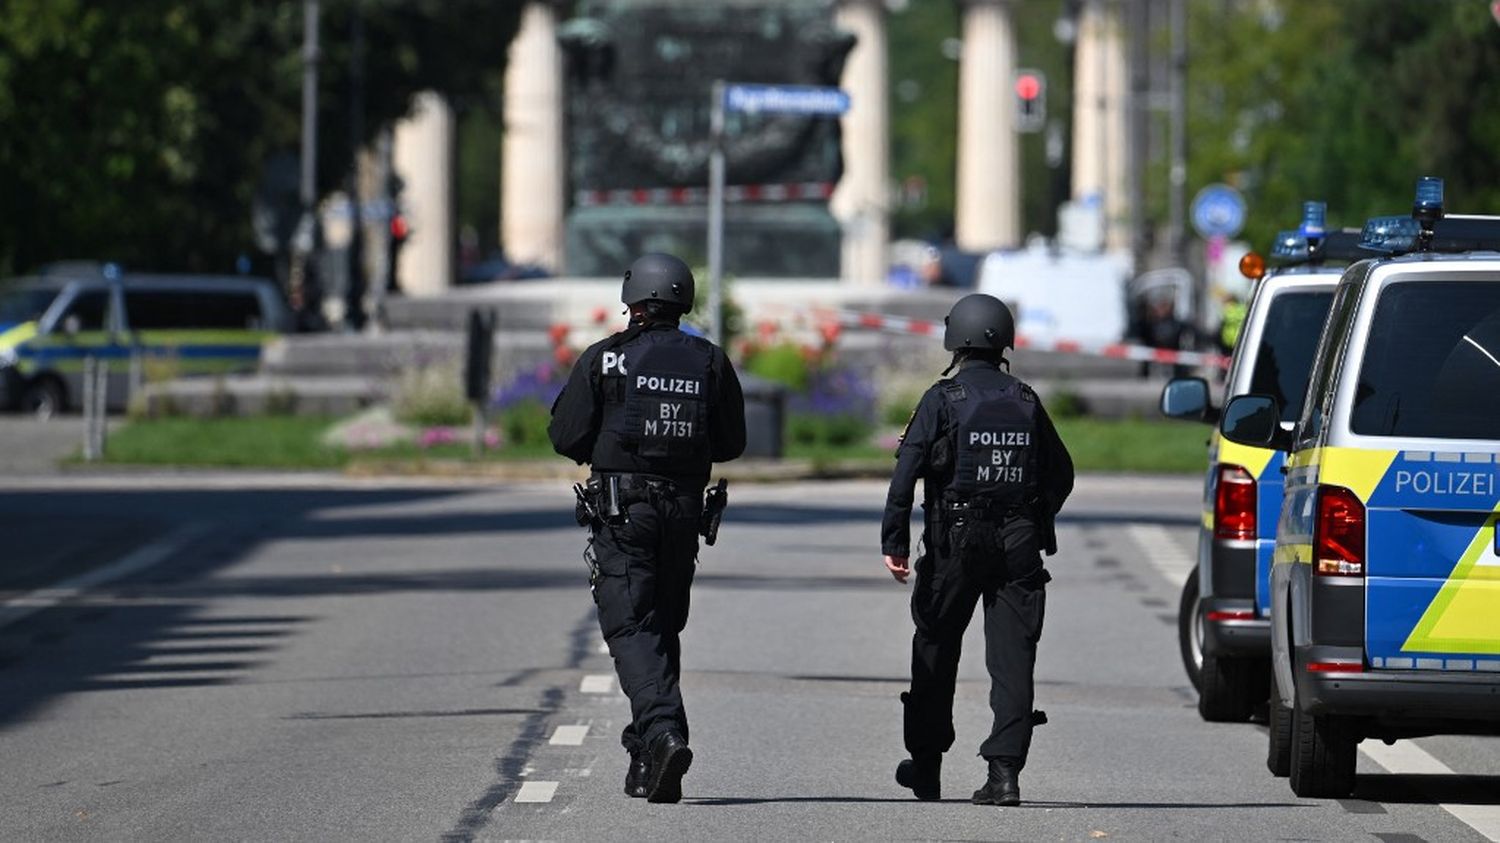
(138, 131)
(1344, 102)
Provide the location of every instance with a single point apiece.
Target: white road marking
(599, 683)
(1162, 552)
(137, 560)
(569, 736)
(536, 792)
(1406, 758)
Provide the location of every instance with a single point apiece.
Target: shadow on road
(1428, 789)
(713, 801)
(157, 628)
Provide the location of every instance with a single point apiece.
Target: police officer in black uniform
(649, 409)
(995, 473)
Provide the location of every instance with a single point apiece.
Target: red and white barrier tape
(1118, 351)
(795, 192)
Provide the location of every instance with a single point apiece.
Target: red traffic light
(399, 229)
(1028, 86)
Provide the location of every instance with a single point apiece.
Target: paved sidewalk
(29, 446)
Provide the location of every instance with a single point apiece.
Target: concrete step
(251, 395)
(385, 355)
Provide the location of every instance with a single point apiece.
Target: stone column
(532, 166)
(988, 213)
(862, 201)
(1101, 129)
(423, 158)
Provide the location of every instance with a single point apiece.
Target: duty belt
(992, 510)
(637, 482)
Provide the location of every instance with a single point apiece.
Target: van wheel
(1279, 747)
(44, 398)
(1190, 631)
(1230, 689)
(1322, 755)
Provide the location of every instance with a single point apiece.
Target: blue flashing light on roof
(1290, 246)
(1314, 217)
(1391, 235)
(1429, 201)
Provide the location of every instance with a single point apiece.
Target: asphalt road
(257, 657)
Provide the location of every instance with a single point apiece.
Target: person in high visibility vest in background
(1231, 321)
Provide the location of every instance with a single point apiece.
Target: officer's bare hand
(899, 566)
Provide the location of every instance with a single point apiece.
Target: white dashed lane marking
(600, 683)
(569, 735)
(536, 792)
(1405, 758)
(1162, 552)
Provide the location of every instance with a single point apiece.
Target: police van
(186, 324)
(1224, 614)
(1385, 584)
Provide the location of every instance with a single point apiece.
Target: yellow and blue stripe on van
(1432, 559)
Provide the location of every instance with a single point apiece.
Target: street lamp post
(305, 293)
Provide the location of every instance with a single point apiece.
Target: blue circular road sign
(1218, 211)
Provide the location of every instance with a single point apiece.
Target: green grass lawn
(1135, 445)
(287, 442)
(256, 442)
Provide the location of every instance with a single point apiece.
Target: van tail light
(1234, 504)
(1339, 534)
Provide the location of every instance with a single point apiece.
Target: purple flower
(836, 392)
(542, 384)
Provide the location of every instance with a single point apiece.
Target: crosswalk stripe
(1406, 758)
(1162, 552)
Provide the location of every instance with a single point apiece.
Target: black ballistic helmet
(658, 277)
(979, 321)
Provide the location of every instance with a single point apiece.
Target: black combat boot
(923, 774)
(1002, 787)
(670, 759)
(637, 774)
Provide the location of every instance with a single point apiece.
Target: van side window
(191, 310)
(91, 309)
(1324, 380)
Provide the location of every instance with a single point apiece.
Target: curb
(739, 471)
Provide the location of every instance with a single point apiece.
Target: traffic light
(1031, 100)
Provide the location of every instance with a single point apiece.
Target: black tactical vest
(656, 393)
(993, 440)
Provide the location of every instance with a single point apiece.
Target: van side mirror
(71, 325)
(1255, 420)
(1187, 399)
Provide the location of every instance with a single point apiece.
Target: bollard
(481, 349)
(101, 414)
(87, 406)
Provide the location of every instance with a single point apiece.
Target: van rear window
(1284, 359)
(1432, 362)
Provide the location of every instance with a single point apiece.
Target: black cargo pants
(645, 572)
(942, 604)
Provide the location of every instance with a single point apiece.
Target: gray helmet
(979, 321)
(658, 277)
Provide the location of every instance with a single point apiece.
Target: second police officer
(995, 474)
(649, 409)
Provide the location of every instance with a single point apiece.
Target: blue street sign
(1218, 211)
(786, 99)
